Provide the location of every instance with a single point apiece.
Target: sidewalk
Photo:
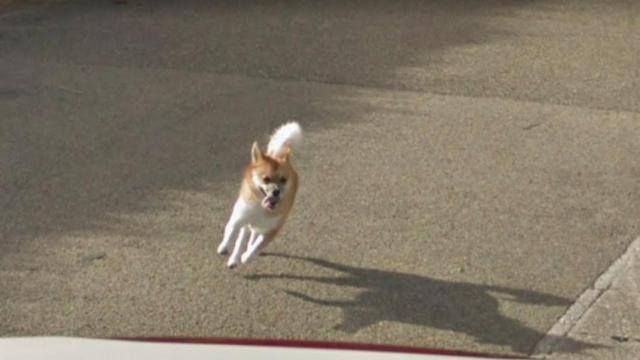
(611, 319)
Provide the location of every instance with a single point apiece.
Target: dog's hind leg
(256, 246)
(252, 239)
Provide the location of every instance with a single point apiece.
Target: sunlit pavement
(469, 169)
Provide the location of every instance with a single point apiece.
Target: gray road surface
(469, 167)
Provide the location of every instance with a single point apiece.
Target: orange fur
(267, 193)
(271, 167)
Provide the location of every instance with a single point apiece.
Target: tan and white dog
(266, 196)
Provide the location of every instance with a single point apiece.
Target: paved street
(469, 167)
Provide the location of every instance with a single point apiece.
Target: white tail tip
(287, 136)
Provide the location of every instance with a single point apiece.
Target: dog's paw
(245, 258)
(222, 250)
(232, 265)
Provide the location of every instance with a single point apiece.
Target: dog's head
(272, 177)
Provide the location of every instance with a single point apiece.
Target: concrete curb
(564, 325)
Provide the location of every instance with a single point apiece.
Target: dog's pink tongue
(270, 202)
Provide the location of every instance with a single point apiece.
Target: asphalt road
(469, 166)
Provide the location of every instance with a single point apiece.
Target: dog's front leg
(231, 230)
(234, 259)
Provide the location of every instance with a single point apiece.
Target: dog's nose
(276, 192)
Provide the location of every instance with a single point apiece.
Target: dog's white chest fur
(254, 216)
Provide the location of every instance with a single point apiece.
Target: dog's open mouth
(270, 202)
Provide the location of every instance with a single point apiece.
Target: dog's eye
(283, 180)
(266, 179)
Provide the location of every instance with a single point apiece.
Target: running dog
(266, 197)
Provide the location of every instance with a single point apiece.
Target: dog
(267, 193)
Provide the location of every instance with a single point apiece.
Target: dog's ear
(256, 153)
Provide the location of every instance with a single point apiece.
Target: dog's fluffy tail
(286, 137)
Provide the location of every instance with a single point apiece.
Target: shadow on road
(109, 141)
(417, 300)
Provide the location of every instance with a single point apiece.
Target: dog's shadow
(417, 300)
